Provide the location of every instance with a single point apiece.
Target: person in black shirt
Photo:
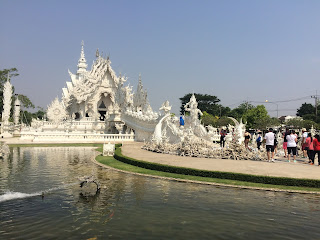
(285, 134)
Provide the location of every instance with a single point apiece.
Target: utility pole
(316, 103)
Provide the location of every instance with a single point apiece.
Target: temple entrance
(104, 106)
(77, 116)
(102, 116)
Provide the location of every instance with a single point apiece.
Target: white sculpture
(119, 127)
(192, 107)
(108, 149)
(239, 131)
(312, 131)
(56, 111)
(165, 107)
(7, 95)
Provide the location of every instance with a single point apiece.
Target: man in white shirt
(269, 139)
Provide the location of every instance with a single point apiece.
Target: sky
(237, 50)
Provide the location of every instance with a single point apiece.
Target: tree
(13, 72)
(207, 103)
(25, 101)
(208, 119)
(308, 112)
(238, 112)
(306, 108)
(224, 121)
(39, 114)
(267, 122)
(254, 115)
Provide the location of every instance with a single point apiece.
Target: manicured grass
(112, 162)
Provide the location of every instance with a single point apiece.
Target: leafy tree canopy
(208, 119)
(206, 103)
(25, 101)
(238, 112)
(13, 72)
(306, 108)
(254, 115)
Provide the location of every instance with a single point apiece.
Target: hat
(303, 129)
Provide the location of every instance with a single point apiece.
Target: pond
(136, 207)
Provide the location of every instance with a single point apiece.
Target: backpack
(259, 139)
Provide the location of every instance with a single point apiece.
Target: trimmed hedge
(216, 174)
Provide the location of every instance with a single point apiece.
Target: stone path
(281, 168)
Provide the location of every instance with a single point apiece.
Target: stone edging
(93, 159)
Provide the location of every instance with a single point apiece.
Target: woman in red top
(316, 146)
(309, 148)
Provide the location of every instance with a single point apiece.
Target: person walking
(275, 143)
(316, 147)
(303, 142)
(309, 148)
(292, 145)
(269, 139)
(247, 137)
(259, 140)
(285, 143)
(223, 134)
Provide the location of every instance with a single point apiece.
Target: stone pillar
(7, 94)
(16, 117)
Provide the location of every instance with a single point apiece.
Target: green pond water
(136, 207)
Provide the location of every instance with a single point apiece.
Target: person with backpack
(259, 139)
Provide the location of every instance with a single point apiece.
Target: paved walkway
(281, 168)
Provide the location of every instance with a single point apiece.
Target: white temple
(96, 106)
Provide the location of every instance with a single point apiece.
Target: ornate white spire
(140, 97)
(7, 94)
(82, 63)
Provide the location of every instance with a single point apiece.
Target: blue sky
(237, 50)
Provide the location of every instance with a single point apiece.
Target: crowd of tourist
(308, 144)
(305, 146)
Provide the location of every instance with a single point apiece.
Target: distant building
(285, 119)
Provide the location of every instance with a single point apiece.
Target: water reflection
(135, 207)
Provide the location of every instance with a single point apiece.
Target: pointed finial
(8, 77)
(97, 52)
(82, 63)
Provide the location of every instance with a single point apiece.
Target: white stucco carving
(7, 95)
(56, 111)
(239, 131)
